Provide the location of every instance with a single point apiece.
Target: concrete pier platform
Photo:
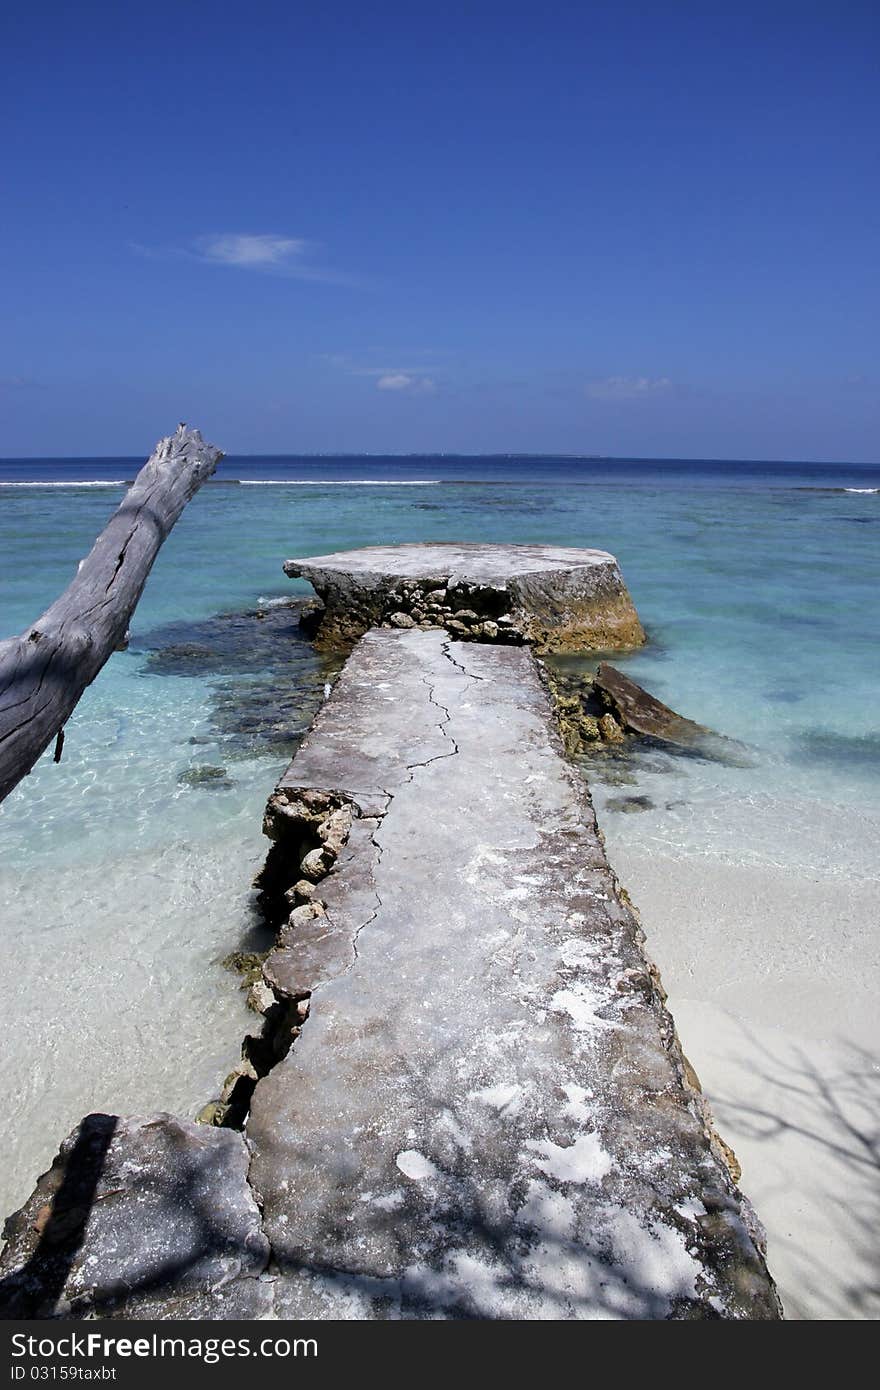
(552, 598)
(485, 1111)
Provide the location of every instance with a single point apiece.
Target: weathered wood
(44, 672)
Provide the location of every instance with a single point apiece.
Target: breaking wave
(86, 482)
(339, 482)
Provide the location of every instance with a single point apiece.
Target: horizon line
(493, 454)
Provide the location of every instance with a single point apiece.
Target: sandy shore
(119, 1003)
(771, 978)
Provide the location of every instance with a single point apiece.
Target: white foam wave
(339, 482)
(861, 489)
(86, 482)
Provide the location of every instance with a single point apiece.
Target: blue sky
(646, 229)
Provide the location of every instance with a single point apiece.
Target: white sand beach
(771, 978)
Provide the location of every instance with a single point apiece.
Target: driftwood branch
(44, 672)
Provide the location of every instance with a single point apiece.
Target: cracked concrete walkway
(485, 1114)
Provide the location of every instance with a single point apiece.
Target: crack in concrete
(375, 913)
(411, 768)
(443, 725)
(471, 675)
(279, 1021)
(272, 1265)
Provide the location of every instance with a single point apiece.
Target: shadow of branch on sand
(804, 1118)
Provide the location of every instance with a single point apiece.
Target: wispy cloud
(251, 252)
(268, 253)
(627, 388)
(403, 382)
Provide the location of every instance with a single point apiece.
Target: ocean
(125, 871)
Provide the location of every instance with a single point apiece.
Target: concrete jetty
(487, 1113)
(469, 1099)
(553, 598)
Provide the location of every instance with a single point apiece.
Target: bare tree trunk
(44, 672)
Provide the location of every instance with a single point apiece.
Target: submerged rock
(260, 997)
(266, 678)
(181, 658)
(643, 713)
(629, 804)
(639, 712)
(610, 729)
(615, 775)
(860, 751)
(608, 715)
(578, 710)
(205, 775)
(247, 964)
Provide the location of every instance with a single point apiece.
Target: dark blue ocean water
(498, 468)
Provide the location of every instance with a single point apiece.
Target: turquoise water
(123, 886)
(760, 602)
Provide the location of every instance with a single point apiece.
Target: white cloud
(402, 381)
(251, 252)
(264, 252)
(627, 388)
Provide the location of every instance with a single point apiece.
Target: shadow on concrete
(172, 1232)
(62, 1225)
